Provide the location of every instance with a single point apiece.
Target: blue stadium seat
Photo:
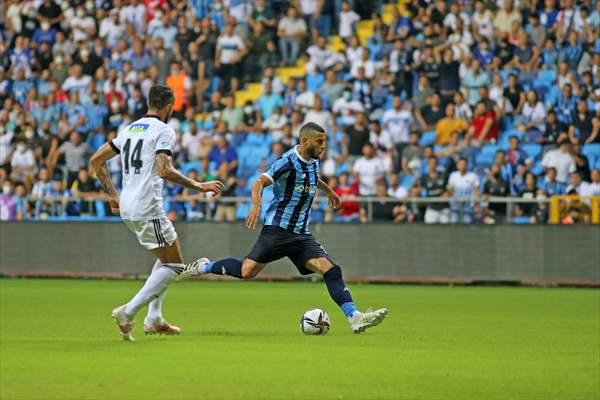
(314, 82)
(537, 169)
(484, 160)
(407, 181)
(490, 149)
(533, 150)
(551, 96)
(188, 166)
(591, 150)
(545, 77)
(427, 138)
(521, 221)
(242, 211)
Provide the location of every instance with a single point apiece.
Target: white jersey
(137, 144)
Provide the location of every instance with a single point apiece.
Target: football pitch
(242, 340)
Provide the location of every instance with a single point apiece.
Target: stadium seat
(533, 150)
(188, 166)
(537, 169)
(490, 149)
(521, 220)
(314, 82)
(407, 181)
(484, 160)
(242, 211)
(591, 150)
(427, 138)
(546, 78)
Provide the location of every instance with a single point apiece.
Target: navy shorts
(274, 243)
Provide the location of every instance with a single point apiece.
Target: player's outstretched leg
(230, 266)
(332, 274)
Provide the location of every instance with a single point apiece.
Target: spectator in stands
(85, 189)
(585, 127)
(349, 210)
(398, 121)
(226, 210)
(230, 51)
(232, 115)
(550, 185)
(554, 132)
(449, 126)
(383, 143)
(369, 171)
(411, 155)
(319, 116)
(484, 127)
(462, 185)
(291, 31)
(434, 185)
(347, 21)
(474, 79)
(76, 154)
(331, 89)
(22, 164)
(561, 159)
(533, 117)
(358, 136)
(495, 186)
(582, 164)
(222, 153)
(268, 101)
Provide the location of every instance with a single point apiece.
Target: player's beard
(314, 153)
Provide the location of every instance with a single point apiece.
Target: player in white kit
(145, 148)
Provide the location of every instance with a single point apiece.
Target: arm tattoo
(105, 181)
(166, 169)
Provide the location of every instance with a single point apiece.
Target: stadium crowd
(451, 99)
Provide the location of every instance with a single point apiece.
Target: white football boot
(193, 269)
(365, 320)
(125, 323)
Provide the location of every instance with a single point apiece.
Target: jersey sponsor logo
(305, 189)
(138, 128)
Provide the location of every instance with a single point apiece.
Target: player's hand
(253, 217)
(114, 206)
(211, 186)
(334, 201)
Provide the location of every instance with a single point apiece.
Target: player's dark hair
(160, 96)
(310, 128)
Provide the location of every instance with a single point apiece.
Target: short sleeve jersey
(138, 144)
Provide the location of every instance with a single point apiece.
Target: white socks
(155, 306)
(155, 286)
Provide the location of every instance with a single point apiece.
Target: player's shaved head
(160, 96)
(310, 130)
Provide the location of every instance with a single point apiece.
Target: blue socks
(339, 292)
(227, 266)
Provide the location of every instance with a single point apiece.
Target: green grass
(242, 340)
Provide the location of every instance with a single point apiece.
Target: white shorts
(154, 233)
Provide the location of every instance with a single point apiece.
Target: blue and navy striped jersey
(294, 187)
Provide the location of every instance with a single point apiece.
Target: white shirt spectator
(79, 84)
(323, 118)
(570, 19)
(369, 171)
(318, 57)
(81, 25)
(534, 113)
(134, 14)
(309, 7)
(370, 67)
(230, 47)
(347, 21)
(398, 124)
(25, 159)
(274, 125)
(5, 146)
(191, 144)
(111, 32)
(292, 26)
(354, 54)
(277, 85)
(463, 185)
(484, 23)
(306, 100)
(348, 109)
(562, 161)
(399, 193)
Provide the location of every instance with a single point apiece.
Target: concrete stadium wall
(377, 252)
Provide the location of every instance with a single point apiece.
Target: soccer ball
(315, 322)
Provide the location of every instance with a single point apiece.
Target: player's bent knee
(250, 269)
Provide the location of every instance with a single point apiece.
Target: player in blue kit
(295, 177)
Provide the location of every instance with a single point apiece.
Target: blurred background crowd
(421, 99)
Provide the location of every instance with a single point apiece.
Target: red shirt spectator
(484, 126)
(348, 208)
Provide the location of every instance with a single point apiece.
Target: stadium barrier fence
(375, 252)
